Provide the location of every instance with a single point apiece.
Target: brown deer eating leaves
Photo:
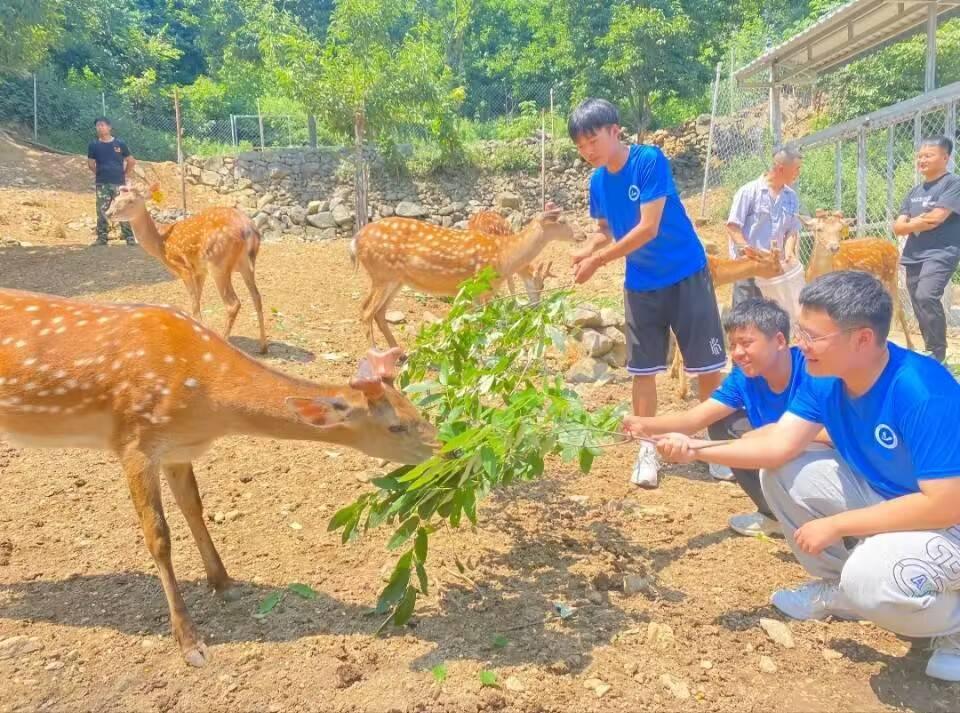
(833, 251)
(156, 388)
(217, 241)
(492, 223)
(401, 251)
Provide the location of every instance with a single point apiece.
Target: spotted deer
(156, 388)
(492, 223)
(724, 271)
(401, 251)
(832, 250)
(217, 241)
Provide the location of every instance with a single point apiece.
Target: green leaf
(302, 590)
(422, 578)
(343, 516)
(396, 586)
(488, 679)
(269, 604)
(403, 533)
(439, 673)
(405, 609)
(500, 641)
(420, 545)
(489, 460)
(586, 460)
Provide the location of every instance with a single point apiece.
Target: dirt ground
(75, 575)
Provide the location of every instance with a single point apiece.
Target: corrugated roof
(841, 36)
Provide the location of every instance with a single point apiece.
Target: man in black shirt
(930, 216)
(109, 159)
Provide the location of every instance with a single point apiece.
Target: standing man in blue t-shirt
(640, 218)
(110, 160)
(767, 373)
(894, 417)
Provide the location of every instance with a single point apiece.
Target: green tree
(30, 28)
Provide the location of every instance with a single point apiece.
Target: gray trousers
(926, 282)
(734, 426)
(744, 290)
(905, 582)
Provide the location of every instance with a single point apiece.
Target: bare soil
(74, 572)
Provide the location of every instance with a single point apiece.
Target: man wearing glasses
(880, 525)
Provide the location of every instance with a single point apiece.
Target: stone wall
(309, 193)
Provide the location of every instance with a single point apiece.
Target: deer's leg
(368, 312)
(380, 313)
(194, 285)
(144, 483)
(898, 311)
(246, 270)
(229, 296)
(183, 484)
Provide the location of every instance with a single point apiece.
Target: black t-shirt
(943, 242)
(109, 156)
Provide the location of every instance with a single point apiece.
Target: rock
(597, 686)
(508, 200)
(677, 686)
(513, 684)
(611, 318)
(342, 215)
(588, 371)
(219, 518)
(617, 356)
(16, 646)
(660, 636)
(314, 207)
(595, 597)
(277, 174)
(260, 220)
(395, 316)
(265, 200)
(778, 632)
(298, 215)
(614, 334)
(767, 665)
(321, 220)
(348, 674)
(408, 209)
(706, 665)
(584, 317)
(385, 210)
(232, 515)
(316, 234)
(637, 584)
(831, 655)
(210, 178)
(54, 666)
(595, 343)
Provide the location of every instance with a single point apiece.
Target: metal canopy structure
(842, 36)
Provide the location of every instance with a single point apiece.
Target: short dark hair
(104, 119)
(852, 299)
(941, 142)
(590, 116)
(786, 154)
(765, 315)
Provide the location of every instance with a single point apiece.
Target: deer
(832, 250)
(217, 241)
(492, 223)
(724, 271)
(157, 388)
(402, 251)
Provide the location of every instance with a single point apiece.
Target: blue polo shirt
(906, 428)
(675, 252)
(762, 404)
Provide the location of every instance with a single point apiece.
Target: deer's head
(377, 418)
(829, 229)
(129, 202)
(767, 263)
(554, 226)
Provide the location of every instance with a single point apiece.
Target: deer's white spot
(60, 330)
(31, 308)
(29, 362)
(59, 374)
(141, 352)
(117, 364)
(56, 320)
(6, 340)
(191, 383)
(208, 357)
(20, 344)
(168, 359)
(81, 323)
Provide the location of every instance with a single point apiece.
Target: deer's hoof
(196, 655)
(230, 593)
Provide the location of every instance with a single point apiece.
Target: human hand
(584, 269)
(634, 426)
(815, 536)
(676, 447)
(591, 244)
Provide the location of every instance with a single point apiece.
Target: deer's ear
(322, 412)
(809, 222)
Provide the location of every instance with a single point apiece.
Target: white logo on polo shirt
(886, 437)
(634, 192)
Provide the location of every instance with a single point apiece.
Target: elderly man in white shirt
(763, 211)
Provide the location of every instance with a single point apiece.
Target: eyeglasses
(803, 337)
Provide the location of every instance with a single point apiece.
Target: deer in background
(401, 251)
(724, 271)
(157, 389)
(492, 223)
(217, 241)
(832, 251)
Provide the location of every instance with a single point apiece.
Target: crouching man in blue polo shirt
(877, 522)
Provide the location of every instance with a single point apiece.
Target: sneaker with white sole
(645, 473)
(721, 472)
(816, 599)
(945, 661)
(755, 524)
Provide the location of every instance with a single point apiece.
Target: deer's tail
(353, 252)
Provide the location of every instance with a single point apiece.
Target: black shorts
(689, 308)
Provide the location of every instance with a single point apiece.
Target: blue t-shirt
(675, 252)
(906, 428)
(762, 404)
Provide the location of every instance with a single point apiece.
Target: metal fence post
(706, 166)
(543, 160)
(838, 176)
(312, 130)
(35, 123)
(103, 103)
(861, 180)
(180, 157)
(233, 130)
(950, 129)
(890, 172)
(260, 121)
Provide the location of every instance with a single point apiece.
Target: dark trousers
(734, 426)
(925, 283)
(745, 290)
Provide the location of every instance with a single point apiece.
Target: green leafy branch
(483, 376)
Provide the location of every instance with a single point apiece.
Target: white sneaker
(721, 472)
(945, 661)
(755, 524)
(645, 473)
(817, 599)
